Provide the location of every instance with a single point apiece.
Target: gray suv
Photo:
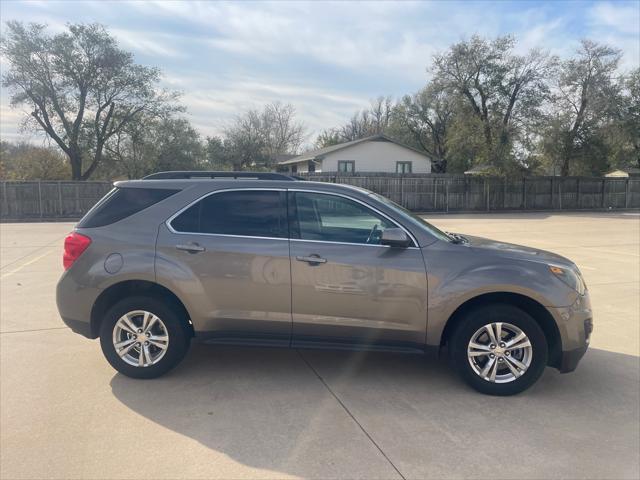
(267, 259)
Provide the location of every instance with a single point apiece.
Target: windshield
(412, 217)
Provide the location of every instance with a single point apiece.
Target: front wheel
(499, 349)
(142, 337)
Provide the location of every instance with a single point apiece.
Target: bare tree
(427, 115)
(257, 137)
(501, 88)
(365, 123)
(128, 148)
(586, 93)
(81, 88)
(381, 111)
(150, 144)
(281, 131)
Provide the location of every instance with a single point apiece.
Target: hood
(517, 251)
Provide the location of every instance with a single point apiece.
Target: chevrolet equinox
(267, 259)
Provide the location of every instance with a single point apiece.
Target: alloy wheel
(140, 338)
(499, 352)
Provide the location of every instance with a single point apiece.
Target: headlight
(570, 277)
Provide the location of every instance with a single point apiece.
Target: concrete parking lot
(230, 412)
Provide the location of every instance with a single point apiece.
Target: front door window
(331, 218)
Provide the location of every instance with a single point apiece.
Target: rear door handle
(191, 248)
(312, 259)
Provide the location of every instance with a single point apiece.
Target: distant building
(624, 173)
(377, 153)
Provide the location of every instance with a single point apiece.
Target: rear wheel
(142, 337)
(499, 349)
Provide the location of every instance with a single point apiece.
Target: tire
(472, 360)
(156, 360)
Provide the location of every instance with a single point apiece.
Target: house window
(294, 168)
(312, 166)
(346, 166)
(403, 167)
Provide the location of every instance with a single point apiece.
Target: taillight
(74, 245)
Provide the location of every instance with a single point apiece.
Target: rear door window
(121, 203)
(248, 213)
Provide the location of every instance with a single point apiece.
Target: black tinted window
(121, 203)
(254, 213)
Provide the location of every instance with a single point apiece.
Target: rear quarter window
(121, 203)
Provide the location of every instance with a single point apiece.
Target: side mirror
(395, 237)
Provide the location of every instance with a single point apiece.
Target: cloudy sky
(326, 58)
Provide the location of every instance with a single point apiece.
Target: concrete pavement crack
(350, 414)
(35, 330)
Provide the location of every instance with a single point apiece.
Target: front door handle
(191, 248)
(312, 259)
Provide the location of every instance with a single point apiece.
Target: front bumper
(569, 359)
(575, 324)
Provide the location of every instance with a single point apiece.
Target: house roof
(322, 152)
(281, 157)
(478, 169)
(623, 172)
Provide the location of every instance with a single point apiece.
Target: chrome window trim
(231, 236)
(267, 189)
(366, 205)
(347, 243)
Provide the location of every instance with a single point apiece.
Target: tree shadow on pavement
(296, 413)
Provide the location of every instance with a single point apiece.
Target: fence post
(560, 192)
(602, 199)
(486, 192)
(77, 192)
(61, 210)
(4, 196)
(524, 193)
(435, 191)
(626, 193)
(504, 194)
(446, 190)
(40, 197)
(466, 193)
(578, 201)
(552, 202)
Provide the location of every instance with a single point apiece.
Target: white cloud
(347, 35)
(147, 43)
(214, 108)
(618, 25)
(326, 58)
(621, 17)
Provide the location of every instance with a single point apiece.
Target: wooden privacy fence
(459, 193)
(421, 193)
(49, 200)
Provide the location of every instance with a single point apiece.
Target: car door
(346, 286)
(227, 257)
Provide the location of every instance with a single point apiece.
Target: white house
(377, 153)
(624, 173)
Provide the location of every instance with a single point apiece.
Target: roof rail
(185, 174)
